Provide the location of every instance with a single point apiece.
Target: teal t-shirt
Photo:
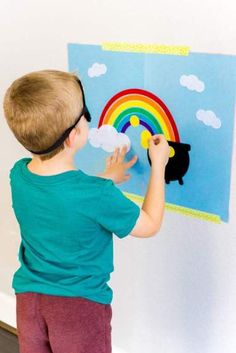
(67, 223)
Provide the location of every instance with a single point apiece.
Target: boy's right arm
(151, 213)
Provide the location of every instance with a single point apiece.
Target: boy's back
(66, 222)
(67, 217)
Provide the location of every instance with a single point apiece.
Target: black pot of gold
(178, 163)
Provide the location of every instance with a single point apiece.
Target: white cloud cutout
(97, 70)
(192, 83)
(209, 118)
(107, 138)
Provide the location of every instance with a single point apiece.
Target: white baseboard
(8, 309)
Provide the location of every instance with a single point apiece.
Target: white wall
(174, 293)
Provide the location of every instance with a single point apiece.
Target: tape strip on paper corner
(209, 217)
(146, 48)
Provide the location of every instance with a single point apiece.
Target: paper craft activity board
(188, 97)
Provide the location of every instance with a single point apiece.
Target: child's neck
(56, 165)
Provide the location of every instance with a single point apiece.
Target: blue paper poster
(188, 98)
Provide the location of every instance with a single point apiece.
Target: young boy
(67, 217)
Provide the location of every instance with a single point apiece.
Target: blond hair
(40, 106)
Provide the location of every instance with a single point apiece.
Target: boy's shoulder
(104, 186)
(19, 163)
(98, 180)
(92, 180)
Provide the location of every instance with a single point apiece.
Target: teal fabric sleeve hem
(135, 217)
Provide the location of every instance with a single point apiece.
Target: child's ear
(70, 141)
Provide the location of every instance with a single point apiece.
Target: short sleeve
(115, 212)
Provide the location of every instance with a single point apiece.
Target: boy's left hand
(116, 167)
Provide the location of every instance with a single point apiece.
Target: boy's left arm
(116, 167)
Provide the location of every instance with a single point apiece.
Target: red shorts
(54, 324)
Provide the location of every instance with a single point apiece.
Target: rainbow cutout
(153, 114)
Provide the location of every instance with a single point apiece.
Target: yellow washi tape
(210, 217)
(147, 48)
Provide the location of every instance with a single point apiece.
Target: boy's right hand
(159, 151)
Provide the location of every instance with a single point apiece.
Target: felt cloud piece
(107, 138)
